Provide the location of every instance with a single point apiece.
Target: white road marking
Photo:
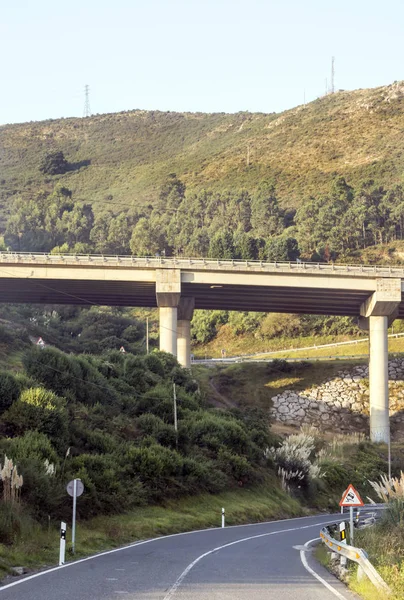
(316, 575)
(112, 578)
(163, 537)
(181, 578)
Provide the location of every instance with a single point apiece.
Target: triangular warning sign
(40, 342)
(351, 497)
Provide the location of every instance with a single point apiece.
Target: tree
(282, 249)
(221, 245)
(54, 163)
(266, 216)
(172, 192)
(144, 241)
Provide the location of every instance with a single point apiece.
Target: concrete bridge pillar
(185, 313)
(168, 293)
(380, 310)
(379, 379)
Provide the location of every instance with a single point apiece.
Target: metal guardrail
(161, 262)
(356, 555)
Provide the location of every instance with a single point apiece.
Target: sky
(190, 55)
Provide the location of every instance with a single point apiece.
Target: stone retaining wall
(341, 403)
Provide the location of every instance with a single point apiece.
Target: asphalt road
(252, 562)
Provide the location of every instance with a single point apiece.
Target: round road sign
(79, 487)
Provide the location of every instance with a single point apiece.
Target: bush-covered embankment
(109, 421)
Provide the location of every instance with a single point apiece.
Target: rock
(19, 570)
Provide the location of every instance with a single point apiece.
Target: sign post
(351, 498)
(74, 488)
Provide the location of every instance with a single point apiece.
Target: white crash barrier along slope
(357, 555)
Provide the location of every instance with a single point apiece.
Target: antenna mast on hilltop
(87, 109)
(332, 75)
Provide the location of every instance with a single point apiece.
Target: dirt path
(218, 399)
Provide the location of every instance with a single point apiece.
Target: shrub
(41, 410)
(152, 425)
(235, 466)
(158, 468)
(295, 461)
(54, 163)
(110, 486)
(32, 444)
(10, 389)
(153, 363)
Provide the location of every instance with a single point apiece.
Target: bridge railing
(201, 264)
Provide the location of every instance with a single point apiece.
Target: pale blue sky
(190, 55)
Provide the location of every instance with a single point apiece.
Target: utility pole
(87, 109)
(248, 155)
(175, 415)
(147, 335)
(333, 75)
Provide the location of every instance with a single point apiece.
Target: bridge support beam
(380, 310)
(168, 293)
(185, 313)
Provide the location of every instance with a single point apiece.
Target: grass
(246, 344)
(396, 346)
(238, 345)
(40, 547)
(254, 384)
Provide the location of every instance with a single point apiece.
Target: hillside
(122, 159)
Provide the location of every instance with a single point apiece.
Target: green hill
(122, 159)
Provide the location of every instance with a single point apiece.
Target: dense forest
(231, 224)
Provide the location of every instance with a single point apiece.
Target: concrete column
(168, 329)
(379, 380)
(380, 309)
(184, 343)
(185, 313)
(168, 293)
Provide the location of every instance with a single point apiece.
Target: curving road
(250, 562)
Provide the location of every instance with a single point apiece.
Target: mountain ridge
(122, 158)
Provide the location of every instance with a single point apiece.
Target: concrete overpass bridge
(179, 285)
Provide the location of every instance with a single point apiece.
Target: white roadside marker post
(223, 515)
(62, 549)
